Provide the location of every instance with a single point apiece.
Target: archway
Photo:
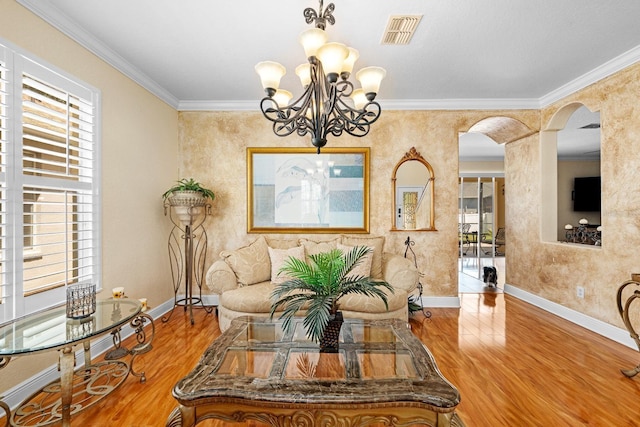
(570, 154)
(483, 237)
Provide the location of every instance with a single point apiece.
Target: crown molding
(618, 63)
(57, 19)
(387, 104)
(219, 105)
(53, 16)
(460, 104)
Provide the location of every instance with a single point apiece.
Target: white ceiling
(200, 54)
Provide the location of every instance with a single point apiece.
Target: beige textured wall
(139, 151)
(213, 150)
(481, 167)
(553, 270)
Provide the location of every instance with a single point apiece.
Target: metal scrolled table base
(82, 388)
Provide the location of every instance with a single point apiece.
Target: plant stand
(187, 254)
(408, 243)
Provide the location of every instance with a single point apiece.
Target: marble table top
(378, 361)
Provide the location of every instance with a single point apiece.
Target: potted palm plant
(318, 286)
(187, 197)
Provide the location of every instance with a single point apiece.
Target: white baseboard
(17, 394)
(607, 330)
(206, 299)
(441, 302)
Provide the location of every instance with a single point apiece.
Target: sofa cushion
(365, 304)
(377, 243)
(313, 247)
(250, 263)
(249, 299)
(278, 258)
(363, 268)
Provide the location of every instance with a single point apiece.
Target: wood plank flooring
(514, 365)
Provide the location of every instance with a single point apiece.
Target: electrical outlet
(580, 291)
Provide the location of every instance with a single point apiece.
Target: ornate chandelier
(329, 103)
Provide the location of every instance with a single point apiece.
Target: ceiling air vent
(400, 29)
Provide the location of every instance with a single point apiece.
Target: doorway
(481, 225)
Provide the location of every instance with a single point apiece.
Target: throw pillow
(377, 243)
(278, 258)
(250, 263)
(282, 243)
(312, 247)
(363, 268)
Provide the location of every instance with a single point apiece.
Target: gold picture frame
(296, 190)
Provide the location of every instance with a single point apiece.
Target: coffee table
(382, 374)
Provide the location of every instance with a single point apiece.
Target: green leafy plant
(188, 185)
(319, 285)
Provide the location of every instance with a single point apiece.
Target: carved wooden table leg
(182, 416)
(623, 309)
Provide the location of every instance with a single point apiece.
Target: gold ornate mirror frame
(417, 205)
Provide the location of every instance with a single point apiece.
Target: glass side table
(51, 330)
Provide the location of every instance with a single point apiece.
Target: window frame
(13, 301)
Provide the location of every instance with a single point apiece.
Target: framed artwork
(291, 190)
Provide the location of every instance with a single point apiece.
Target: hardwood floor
(514, 365)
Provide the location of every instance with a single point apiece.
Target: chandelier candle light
(329, 103)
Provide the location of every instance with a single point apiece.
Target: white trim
(599, 327)
(618, 63)
(387, 104)
(460, 104)
(441, 302)
(53, 16)
(203, 105)
(207, 300)
(17, 394)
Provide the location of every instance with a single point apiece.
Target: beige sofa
(244, 278)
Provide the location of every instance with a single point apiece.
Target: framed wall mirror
(296, 190)
(412, 186)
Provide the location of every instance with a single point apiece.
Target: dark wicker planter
(331, 337)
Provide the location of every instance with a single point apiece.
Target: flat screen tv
(586, 194)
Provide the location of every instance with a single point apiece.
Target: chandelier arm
(329, 95)
(344, 88)
(336, 124)
(357, 122)
(317, 106)
(281, 118)
(289, 119)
